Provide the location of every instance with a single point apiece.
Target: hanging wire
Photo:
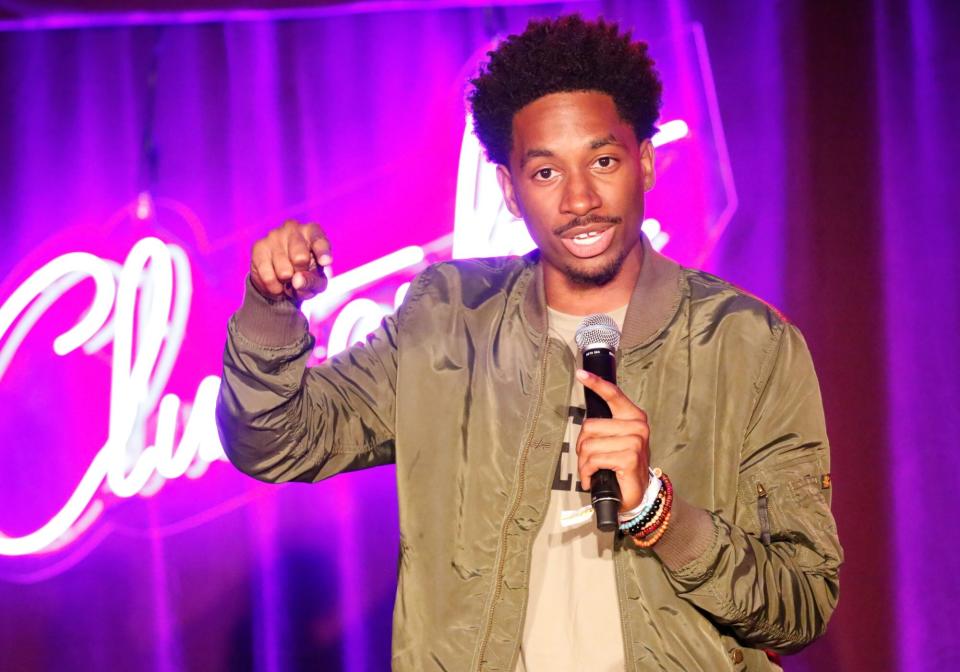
(149, 168)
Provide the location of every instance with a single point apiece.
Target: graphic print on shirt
(566, 477)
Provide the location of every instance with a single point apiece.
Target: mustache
(586, 221)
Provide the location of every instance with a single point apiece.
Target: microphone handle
(604, 489)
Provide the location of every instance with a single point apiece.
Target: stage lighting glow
(658, 237)
(670, 131)
(357, 319)
(144, 208)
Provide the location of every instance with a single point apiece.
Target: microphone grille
(598, 330)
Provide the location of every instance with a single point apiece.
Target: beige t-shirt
(573, 617)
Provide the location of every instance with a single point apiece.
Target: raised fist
(288, 262)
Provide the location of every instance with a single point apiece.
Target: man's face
(577, 177)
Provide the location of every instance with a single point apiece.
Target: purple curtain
(917, 108)
(840, 122)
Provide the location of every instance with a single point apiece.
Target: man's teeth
(586, 238)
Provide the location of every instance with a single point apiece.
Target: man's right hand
(289, 262)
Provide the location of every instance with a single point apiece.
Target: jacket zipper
(516, 501)
(618, 567)
(618, 561)
(763, 514)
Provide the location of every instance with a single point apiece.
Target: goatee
(598, 277)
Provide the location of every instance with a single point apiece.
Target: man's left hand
(620, 443)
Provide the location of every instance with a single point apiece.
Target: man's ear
(509, 195)
(647, 164)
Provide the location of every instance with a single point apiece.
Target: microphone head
(598, 331)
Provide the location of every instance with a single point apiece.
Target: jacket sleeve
(281, 421)
(771, 574)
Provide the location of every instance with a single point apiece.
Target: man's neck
(573, 298)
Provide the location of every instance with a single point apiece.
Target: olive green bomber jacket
(465, 391)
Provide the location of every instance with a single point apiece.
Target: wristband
(649, 497)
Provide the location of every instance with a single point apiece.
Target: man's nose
(580, 196)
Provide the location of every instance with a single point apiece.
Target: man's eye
(545, 173)
(605, 161)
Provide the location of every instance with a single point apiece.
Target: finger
(282, 267)
(614, 427)
(298, 252)
(626, 461)
(262, 274)
(620, 405)
(279, 242)
(265, 279)
(309, 283)
(630, 469)
(610, 444)
(630, 452)
(319, 244)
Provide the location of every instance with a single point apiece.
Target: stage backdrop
(805, 153)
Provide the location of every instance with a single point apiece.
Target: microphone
(598, 338)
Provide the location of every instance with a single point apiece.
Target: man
(472, 389)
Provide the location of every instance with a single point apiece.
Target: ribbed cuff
(272, 324)
(690, 534)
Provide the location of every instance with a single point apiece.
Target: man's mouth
(589, 243)
(588, 238)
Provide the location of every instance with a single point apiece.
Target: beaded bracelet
(664, 510)
(659, 526)
(633, 526)
(647, 543)
(648, 515)
(656, 522)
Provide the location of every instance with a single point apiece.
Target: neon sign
(149, 295)
(160, 274)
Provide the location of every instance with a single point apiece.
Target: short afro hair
(559, 55)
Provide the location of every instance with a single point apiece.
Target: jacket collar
(654, 302)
